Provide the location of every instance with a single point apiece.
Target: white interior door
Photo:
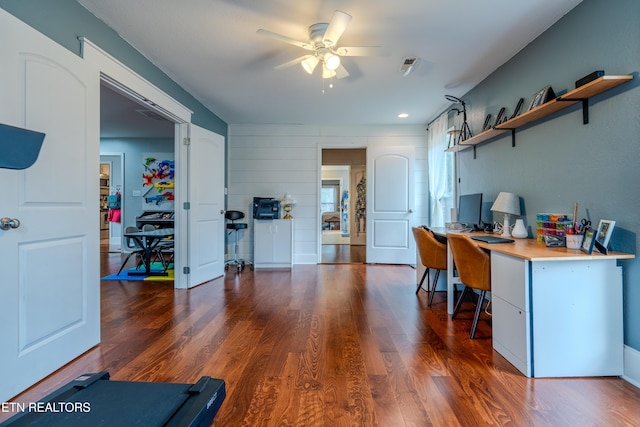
(390, 204)
(206, 201)
(50, 288)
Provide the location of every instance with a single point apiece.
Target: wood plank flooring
(331, 345)
(344, 254)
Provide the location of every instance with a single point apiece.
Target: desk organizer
(548, 223)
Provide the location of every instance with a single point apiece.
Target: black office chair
(233, 226)
(163, 251)
(136, 249)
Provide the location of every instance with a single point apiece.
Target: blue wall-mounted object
(19, 148)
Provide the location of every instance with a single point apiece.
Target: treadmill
(93, 400)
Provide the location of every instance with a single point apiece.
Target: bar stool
(234, 227)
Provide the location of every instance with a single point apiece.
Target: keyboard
(492, 239)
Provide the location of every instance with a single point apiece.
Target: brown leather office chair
(474, 268)
(433, 255)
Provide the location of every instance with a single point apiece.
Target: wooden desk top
(533, 250)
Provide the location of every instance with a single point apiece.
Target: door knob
(7, 223)
(410, 210)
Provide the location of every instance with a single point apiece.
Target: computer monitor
(470, 210)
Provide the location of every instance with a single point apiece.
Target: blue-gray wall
(134, 150)
(559, 161)
(65, 20)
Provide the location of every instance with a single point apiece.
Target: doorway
(111, 206)
(343, 206)
(129, 130)
(105, 172)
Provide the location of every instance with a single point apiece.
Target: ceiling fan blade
(341, 72)
(292, 62)
(336, 27)
(285, 39)
(362, 51)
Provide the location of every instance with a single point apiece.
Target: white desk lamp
(287, 203)
(508, 204)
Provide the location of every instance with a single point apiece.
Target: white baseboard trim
(631, 366)
(305, 259)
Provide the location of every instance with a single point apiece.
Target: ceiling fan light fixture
(310, 64)
(327, 73)
(332, 61)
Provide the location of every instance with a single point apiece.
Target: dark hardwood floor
(344, 254)
(331, 345)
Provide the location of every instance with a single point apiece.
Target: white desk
(149, 240)
(556, 312)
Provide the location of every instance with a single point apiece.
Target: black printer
(266, 208)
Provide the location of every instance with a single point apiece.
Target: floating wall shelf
(581, 94)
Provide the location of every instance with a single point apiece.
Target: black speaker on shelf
(589, 78)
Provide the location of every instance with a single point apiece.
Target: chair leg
(236, 259)
(124, 263)
(426, 272)
(477, 316)
(433, 287)
(238, 265)
(459, 303)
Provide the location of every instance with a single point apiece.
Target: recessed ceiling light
(403, 115)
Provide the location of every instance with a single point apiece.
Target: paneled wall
(271, 160)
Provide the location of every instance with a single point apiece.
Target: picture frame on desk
(589, 240)
(605, 229)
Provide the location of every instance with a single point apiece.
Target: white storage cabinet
(272, 243)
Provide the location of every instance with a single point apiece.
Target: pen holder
(574, 241)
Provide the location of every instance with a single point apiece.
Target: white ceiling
(121, 117)
(210, 48)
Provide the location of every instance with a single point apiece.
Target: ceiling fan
(323, 39)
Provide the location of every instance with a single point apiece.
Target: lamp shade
(327, 73)
(508, 203)
(287, 200)
(310, 63)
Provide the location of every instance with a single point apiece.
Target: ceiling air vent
(407, 65)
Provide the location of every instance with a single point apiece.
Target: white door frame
(123, 206)
(128, 83)
(318, 227)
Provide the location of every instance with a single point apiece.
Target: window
(329, 198)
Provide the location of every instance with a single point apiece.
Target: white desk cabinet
(273, 243)
(511, 313)
(555, 318)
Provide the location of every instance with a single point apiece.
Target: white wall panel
(271, 160)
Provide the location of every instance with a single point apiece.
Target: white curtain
(441, 173)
